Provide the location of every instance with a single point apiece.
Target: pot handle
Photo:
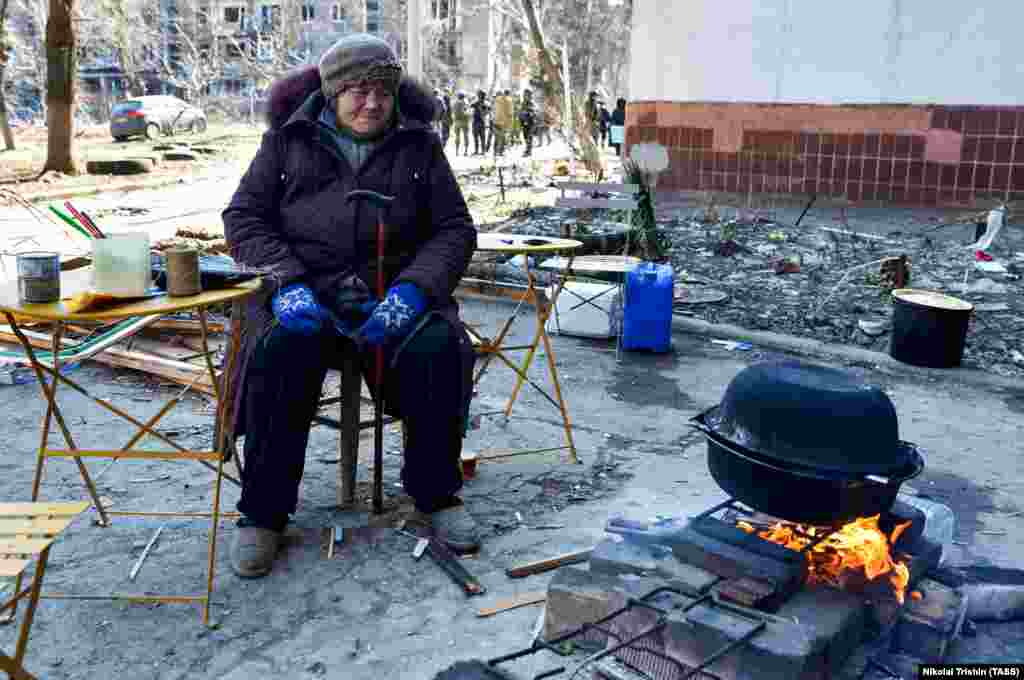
(698, 423)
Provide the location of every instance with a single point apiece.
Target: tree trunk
(5, 124)
(61, 88)
(552, 75)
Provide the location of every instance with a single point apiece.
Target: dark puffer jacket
(289, 212)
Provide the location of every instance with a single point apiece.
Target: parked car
(154, 115)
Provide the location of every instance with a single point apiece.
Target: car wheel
(152, 131)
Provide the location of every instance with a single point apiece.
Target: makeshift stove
(814, 555)
(733, 593)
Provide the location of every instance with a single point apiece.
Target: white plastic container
(121, 265)
(592, 319)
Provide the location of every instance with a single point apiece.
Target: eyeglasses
(363, 93)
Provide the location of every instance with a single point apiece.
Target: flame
(857, 547)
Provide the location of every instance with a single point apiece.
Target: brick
(619, 557)
(577, 596)
(928, 625)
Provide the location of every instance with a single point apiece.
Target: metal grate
(735, 506)
(638, 651)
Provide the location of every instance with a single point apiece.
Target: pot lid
(930, 298)
(812, 416)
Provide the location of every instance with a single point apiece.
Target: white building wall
(814, 51)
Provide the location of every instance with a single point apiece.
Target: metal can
(38, 277)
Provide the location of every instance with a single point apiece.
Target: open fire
(857, 548)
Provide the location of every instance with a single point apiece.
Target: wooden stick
(547, 564)
(523, 600)
(145, 554)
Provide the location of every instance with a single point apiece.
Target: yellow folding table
(527, 246)
(49, 376)
(27, 532)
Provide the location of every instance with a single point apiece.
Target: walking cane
(381, 202)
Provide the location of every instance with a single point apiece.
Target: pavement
(373, 612)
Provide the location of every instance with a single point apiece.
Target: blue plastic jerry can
(647, 318)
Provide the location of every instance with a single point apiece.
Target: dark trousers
(283, 384)
(479, 138)
(528, 136)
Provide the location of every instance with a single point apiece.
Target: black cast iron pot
(802, 493)
(811, 416)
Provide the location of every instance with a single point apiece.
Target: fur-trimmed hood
(416, 103)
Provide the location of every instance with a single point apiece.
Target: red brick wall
(929, 155)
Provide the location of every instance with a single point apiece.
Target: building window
(234, 15)
(337, 13)
(270, 17)
(372, 27)
(308, 12)
(372, 6)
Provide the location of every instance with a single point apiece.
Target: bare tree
(61, 87)
(5, 49)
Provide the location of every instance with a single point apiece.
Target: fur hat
(356, 58)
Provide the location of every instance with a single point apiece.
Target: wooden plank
(524, 600)
(144, 455)
(605, 187)
(9, 568)
(605, 203)
(547, 564)
(23, 546)
(175, 371)
(187, 326)
(42, 509)
(32, 527)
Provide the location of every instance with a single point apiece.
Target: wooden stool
(349, 426)
(27, 530)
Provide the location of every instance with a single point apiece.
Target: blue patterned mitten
(396, 314)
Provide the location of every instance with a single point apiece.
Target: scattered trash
(873, 327)
(986, 286)
(787, 265)
(16, 375)
(697, 295)
(733, 345)
(991, 267)
(1017, 357)
(523, 600)
(776, 236)
(145, 554)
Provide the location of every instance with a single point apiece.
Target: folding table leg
(30, 611)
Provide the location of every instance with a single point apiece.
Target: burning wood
(858, 547)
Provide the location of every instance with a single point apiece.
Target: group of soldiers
(498, 122)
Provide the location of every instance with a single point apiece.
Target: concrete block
(939, 521)
(617, 556)
(577, 596)
(928, 625)
(836, 619)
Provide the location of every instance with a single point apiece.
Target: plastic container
(647, 319)
(121, 265)
(928, 328)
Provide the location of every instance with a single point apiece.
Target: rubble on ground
(818, 281)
